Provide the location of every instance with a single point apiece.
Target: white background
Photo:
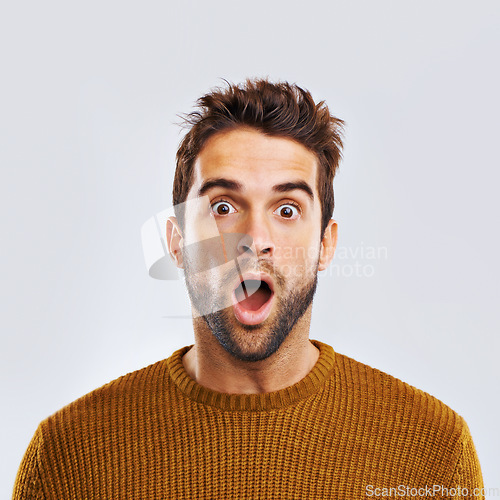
(89, 97)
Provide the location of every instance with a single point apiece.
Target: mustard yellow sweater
(346, 431)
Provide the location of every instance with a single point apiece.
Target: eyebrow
(219, 182)
(290, 186)
(238, 187)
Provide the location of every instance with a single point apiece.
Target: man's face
(260, 195)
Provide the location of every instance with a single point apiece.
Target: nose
(256, 237)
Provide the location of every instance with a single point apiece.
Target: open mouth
(253, 298)
(252, 295)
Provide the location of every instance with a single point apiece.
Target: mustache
(252, 266)
(222, 283)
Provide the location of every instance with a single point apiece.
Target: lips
(253, 298)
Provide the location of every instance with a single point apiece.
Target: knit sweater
(346, 431)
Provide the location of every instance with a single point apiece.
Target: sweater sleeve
(467, 478)
(28, 485)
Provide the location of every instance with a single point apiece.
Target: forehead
(254, 159)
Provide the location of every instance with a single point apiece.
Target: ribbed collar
(310, 384)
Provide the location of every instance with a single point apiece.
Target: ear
(328, 245)
(174, 241)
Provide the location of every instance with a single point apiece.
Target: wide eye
(288, 211)
(222, 208)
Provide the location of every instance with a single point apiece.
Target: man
(254, 409)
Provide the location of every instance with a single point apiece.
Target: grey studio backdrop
(89, 97)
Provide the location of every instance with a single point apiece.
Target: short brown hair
(276, 109)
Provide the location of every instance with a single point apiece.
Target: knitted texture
(345, 431)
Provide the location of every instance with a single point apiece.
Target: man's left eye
(288, 211)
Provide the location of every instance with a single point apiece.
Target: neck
(210, 365)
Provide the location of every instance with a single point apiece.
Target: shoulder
(93, 433)
(118, 400)
(378, 387)
(395, 406)
(396, 418)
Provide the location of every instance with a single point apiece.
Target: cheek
(197, 232)
(300, 241)
(299, 256)
(199, 224)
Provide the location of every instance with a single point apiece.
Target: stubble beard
(253, 342)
